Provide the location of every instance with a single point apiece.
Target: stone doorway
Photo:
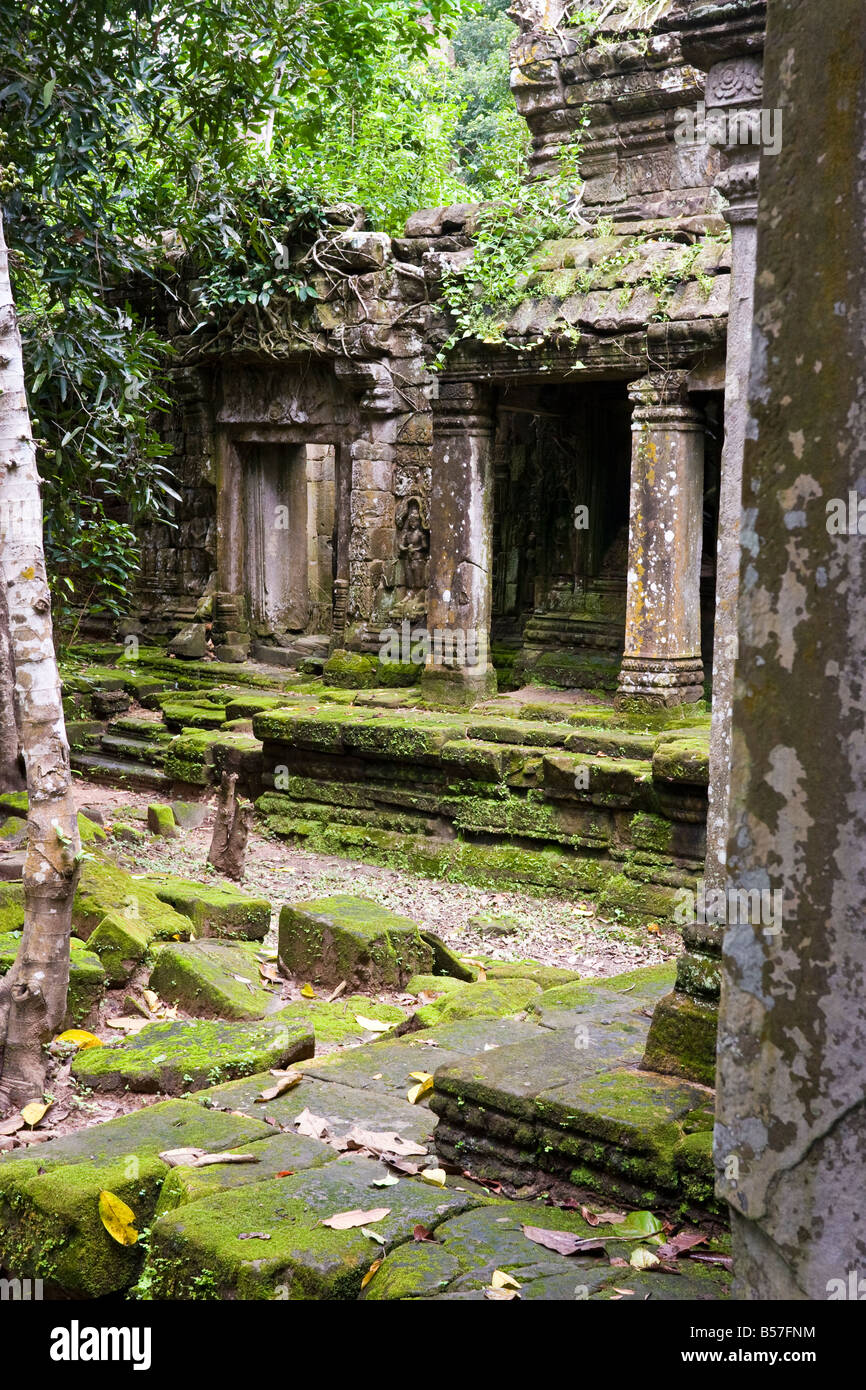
(275, 519)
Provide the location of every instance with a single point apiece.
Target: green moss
(175, 1057)
(434, 984)
(352, 671)
(683, 759)
(11, 907)
(210, 979)
(120, 915)
(160, 821)
(495, 999)
(682, 1038)
(547, 977)
(329, 940)
(216, 909)
(15, 803)
(338, 1022)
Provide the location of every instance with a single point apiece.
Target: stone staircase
(130, 751)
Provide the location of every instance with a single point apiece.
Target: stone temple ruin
(480, 620)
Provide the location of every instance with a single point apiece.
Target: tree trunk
(33, 994)
(11, 766)
(231, 829)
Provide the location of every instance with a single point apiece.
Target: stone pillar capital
(662, 401)
(463, 407)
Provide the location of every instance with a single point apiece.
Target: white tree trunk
(33, 994)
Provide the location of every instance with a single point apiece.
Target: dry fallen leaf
(308, 992)
(151, 998)
(12, 1125)
(377, 1264)
(79, 1037)
(389, 1180)
(601, 1218)
(348, 1220)
(679, 1244)
(501, 1280)
(420, 1233)
(624, 1291)
(254, 1235)
(127, 1023)
(117, 1218)
(313, 1126)
(501, 1295)
(372, 1235)
(381, 1142)
(561, 1241)
(373, 1025)
(286, 1173)
(641, 1258)
(199, 1158)
(36, 1111)
(286, 1080)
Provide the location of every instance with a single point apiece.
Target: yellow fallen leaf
(643, 1259)
(308, 992)
(372, 1025)
(501, 1280)
(421, 1075)
(435, 1176)
(416, 1093)
(34, 1112)
(79, 1037)
(377, 1264)
(117, 1218)
(127, 1024)
(151, 998)
(504, 1295)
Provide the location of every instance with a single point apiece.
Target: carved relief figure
(413, 546)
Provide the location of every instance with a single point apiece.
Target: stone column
(662, 662)
(682, 1037)
(791, 1118)
(733, 57)
(458, 670)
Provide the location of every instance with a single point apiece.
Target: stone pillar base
(458, 687)
(659, 683)
(682, 1038)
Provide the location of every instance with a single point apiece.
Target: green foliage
(522, 214)
(131, 135)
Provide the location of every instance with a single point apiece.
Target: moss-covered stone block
(180, 715)
(545, 976)
(11, 907)
(49, 1205)
(87, 981)
(683, 758)
(175, 1057)
(434, 984)
(215, 909)
(338, 1022)
(160, 821)
(341, 1107)
(282, 1155)
(210, 979)
(120, 915)
(682, 1038)
(495, 999)
(329, 940)
(302, 1259)
(120, 944)
(351, 671)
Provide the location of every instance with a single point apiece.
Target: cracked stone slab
(49, 1201)
(342, 1107)
(386, 1067)
(204, 1246)
(211, 979)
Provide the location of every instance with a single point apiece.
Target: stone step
(98, 767)
(137, 750)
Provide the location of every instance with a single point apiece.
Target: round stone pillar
(662, 662)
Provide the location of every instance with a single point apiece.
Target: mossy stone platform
(215, 909)
(175, 1057)
(50, 1227)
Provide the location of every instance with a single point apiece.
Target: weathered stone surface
(342, 1107)
(215, 909)
(497, 999)
(49, 1203)
(190, 643)
(211, 979)
(177, 1057)
(278, 1156)
(302, 1259)
(338, 1022)
(329, 940)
